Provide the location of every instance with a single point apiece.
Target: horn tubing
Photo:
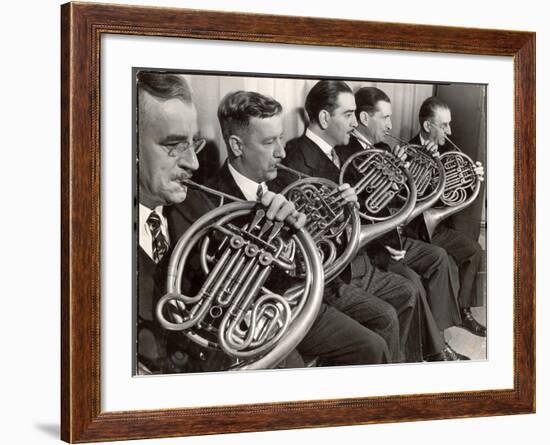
(398, 139)
(297, 173)
(452, 143)
(211, 191)
(362, 138)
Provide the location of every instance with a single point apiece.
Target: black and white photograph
(305, 221)
(279, 222)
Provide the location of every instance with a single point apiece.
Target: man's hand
(280, 208)
(396, 255)
(347, 192)
(399, 152)
(480, 171)
(432, 149)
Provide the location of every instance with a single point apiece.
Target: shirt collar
(247, 185)
(144, 213)
(323, 145)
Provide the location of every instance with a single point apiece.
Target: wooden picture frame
(82, 26)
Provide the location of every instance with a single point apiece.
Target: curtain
(208, 90)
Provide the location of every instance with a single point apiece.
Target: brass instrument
(428, 173)
(233, 310)
(381, 177)
(461, 188)
(328, 217)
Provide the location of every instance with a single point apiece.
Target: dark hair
(428, 107)
(164, 85)
(324, 96)
(236, 109)
(366, 99)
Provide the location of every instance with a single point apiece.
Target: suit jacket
(416, 140)
(224, 182)
(304, 155)
(160, 350)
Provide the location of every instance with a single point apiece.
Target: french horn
(231, 308)
(462, 187)
(380, 177)
(428, 173)
(333, 223)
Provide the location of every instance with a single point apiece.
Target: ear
(426, 126)
(364, 118)
(235, 145)
(324, 117)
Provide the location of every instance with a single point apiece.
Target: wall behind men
(209, 89)
(29, 227)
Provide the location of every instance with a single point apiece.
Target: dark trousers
(372, 312)
(433, 266)
(432, 339)
(374, 285)
(340, 340)
(467, 254)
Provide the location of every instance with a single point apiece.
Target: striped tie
(160, 245)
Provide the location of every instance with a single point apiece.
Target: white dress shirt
(247, 185)
(145, 235)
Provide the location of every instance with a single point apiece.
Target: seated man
(331, 109)
(435, 125)
(167, 145)
(168, 142)
(330, 106)
(252, 127)
(417, 260)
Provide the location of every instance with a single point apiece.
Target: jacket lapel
(318, 162)
(226, 183)
(182, 215)
(416, 140)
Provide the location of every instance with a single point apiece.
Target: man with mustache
(435, 126)
(426, 265)
(330, 106)
(252, 127)
(168, 143)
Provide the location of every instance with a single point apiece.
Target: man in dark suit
(252, 127)
(435, 126)
(426, 265)
(331, 109)
(168, 143)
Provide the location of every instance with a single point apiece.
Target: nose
(353, 121)
(390, 126)
(448, 130)
(189, 160)
(280, 152)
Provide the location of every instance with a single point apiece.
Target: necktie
(335, 158)
(259, 192)
(160, 244)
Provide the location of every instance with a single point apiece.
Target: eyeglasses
(181, 148)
